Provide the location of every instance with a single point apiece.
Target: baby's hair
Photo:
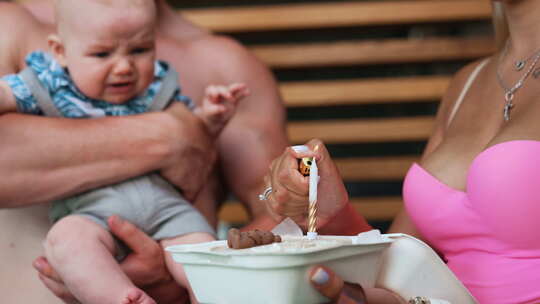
(65, 8)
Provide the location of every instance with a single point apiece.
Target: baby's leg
(176, 270)
(82, 252)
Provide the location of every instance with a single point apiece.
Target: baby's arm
(219, 105)
(7, 100)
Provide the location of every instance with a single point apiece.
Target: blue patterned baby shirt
(71, 102)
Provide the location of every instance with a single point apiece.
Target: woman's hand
(332, 286)
(145, 266)
(290, 189)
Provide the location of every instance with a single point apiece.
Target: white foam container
(411, 268)
(275, 273)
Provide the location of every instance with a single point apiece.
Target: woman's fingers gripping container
(277, 273)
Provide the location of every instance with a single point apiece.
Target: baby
(103, 64)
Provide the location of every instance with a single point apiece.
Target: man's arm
(48, 158)
(7, 100)
(255, 135)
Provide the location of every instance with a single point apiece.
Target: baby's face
(110, 55)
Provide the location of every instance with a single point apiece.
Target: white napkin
(287, 227)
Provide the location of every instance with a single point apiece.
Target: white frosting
(288, 245)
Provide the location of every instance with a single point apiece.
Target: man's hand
(145, 266)
(52, 281)
(194, 153)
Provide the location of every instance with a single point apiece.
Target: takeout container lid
(410, 268)
(275, 273)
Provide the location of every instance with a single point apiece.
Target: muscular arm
(48, 158)
(256, 134)
(44, 158)
(7, 100)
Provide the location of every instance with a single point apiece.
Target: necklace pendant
(519, 65)
(536, 73)
(507, 107)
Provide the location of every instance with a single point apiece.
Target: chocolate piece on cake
(241, 240)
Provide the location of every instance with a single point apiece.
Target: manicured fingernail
(300, 148)
(320, 277)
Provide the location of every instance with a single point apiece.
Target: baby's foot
(137, 296)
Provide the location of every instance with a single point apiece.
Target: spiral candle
(312, 217)
(312, 212)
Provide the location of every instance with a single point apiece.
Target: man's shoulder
(11, 15)
(24, 35)
(218, 47)
(228, 58)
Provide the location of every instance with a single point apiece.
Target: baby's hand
(219, 105)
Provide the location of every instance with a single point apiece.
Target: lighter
(304, 165)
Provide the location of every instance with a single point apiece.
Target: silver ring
(419, 300)
(264, 196)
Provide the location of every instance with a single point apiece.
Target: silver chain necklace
(520, 63)
(510, 91)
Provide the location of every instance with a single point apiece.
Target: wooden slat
(362, 130)
(363, 91)
(376, 208)
(373, 52)
(341, 14)
(374, 168)
(233, 212)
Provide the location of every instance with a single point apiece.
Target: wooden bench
(380, 90)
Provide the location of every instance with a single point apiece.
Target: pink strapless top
(489, 234)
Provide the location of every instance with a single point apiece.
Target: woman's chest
(449, 163)
(469, 143)
(501, 199)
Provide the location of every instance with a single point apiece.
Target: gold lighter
(304, 165)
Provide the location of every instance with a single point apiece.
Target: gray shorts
(149, 202)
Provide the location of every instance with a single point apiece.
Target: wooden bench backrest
(384, 86)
